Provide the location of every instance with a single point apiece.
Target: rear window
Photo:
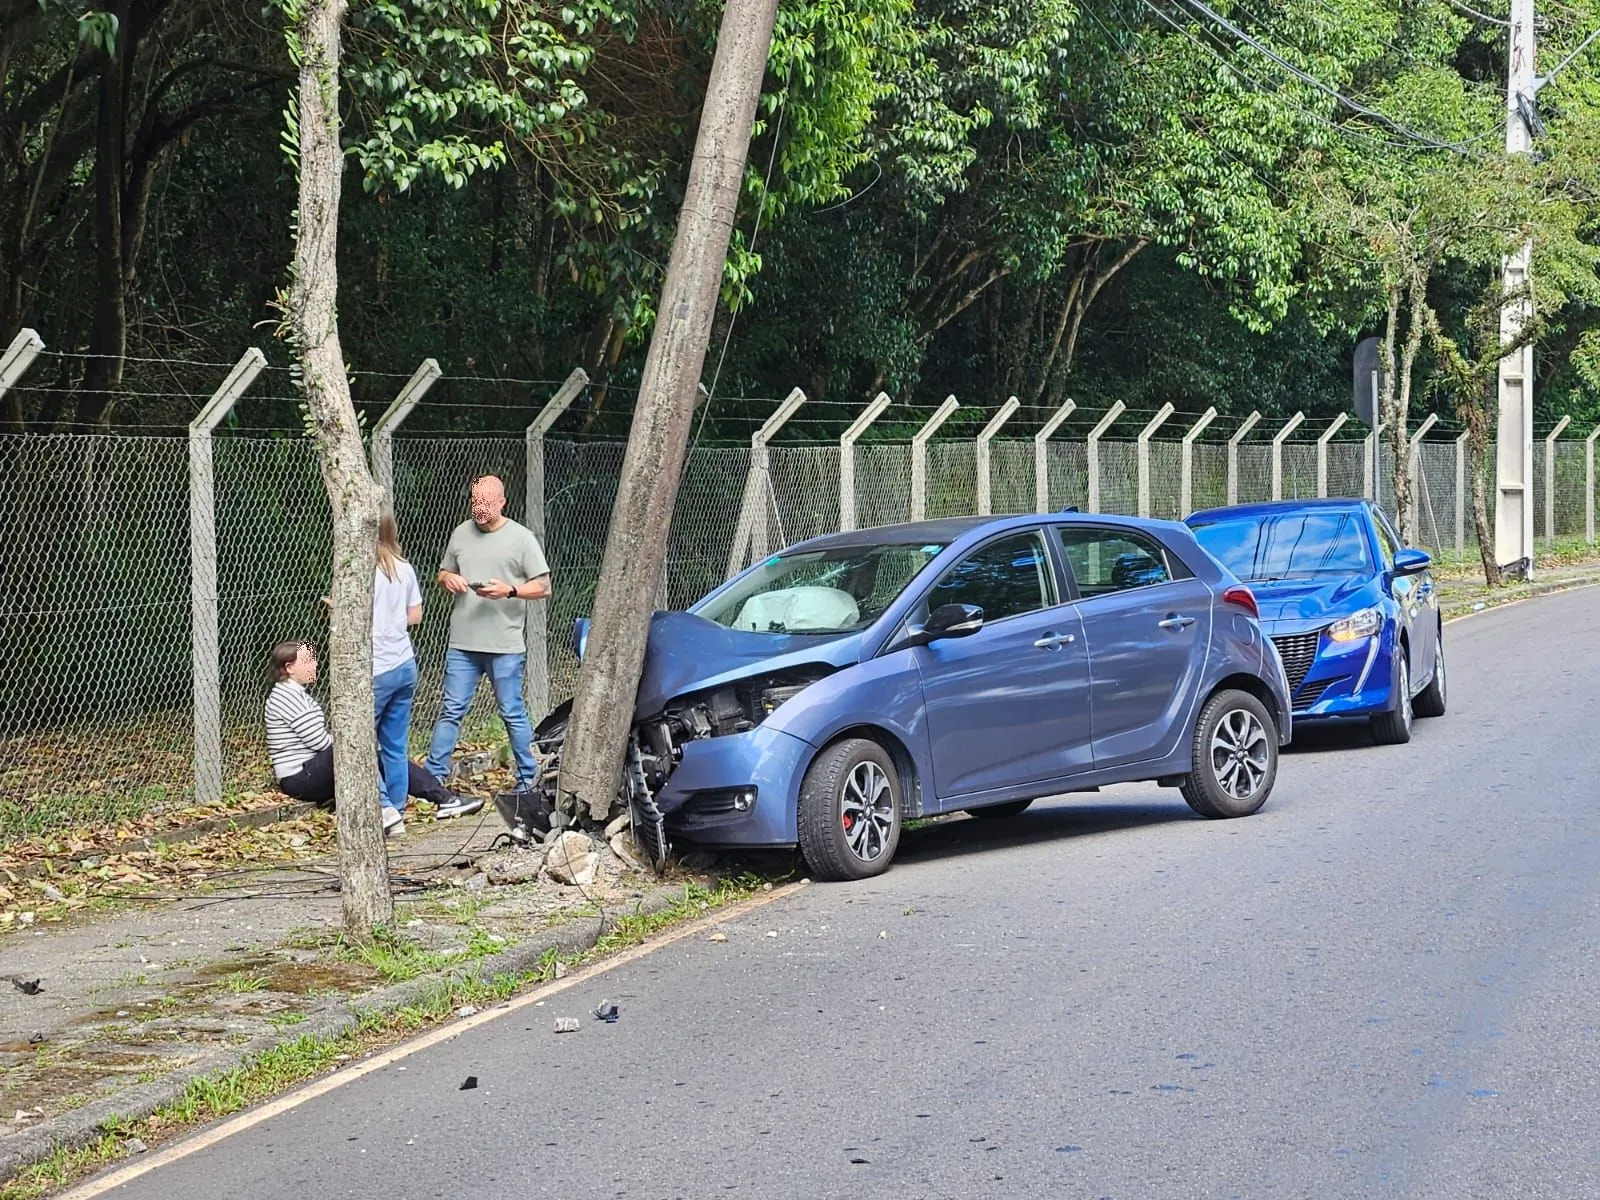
(1289, 545)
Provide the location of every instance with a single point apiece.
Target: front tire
(1235, 757)
(1000, 812)
(1393, 728)
(1432, 700)
(849, 817)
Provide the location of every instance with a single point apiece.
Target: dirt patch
(301, 979)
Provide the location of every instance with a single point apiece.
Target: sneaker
(394, 824)
(458, 806)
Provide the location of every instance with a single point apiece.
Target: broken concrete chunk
(571, 859)
(624, 852)
(518, 865)
(719, 936)
(618, 825)
(566, 1024)
(135, 1146)
(477, 883)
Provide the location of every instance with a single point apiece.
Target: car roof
(944, 531)
(1274, 508)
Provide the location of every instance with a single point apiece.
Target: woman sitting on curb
(301, 748)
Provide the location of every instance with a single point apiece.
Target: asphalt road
(1381, 985)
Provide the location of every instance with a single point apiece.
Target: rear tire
(1432, 700)
(849, 813)
(1235, 757)
(1393, 728)
(1000, 812)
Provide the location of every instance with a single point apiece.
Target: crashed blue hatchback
(854, 681)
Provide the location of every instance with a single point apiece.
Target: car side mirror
(946, 621)
(1411, 562)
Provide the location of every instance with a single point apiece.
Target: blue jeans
(462, 670)
(393, 692)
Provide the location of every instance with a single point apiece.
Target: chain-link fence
(101, 665)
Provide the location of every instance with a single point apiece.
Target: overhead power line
(1503, 22)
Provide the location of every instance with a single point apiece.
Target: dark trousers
(313, 783)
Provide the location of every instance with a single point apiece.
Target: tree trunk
(1399, 434)
(630, 574)
(354, 497)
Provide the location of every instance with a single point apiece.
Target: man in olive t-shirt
(493, 567)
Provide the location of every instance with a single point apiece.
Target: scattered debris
(521, 864)
(25, 1114)
(560, 971)
(607, 1012)
(719, 936)
(28, 987)
(619, 825)
(772, 933)
(566, 1024)
(477, 883)
(470, 1083)
(122, 1012)
(883, 933)
(466, 1010)
(52, 893)
(35, 1038)
(619, 847)
(135, 1146)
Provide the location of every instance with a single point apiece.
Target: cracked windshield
(820, 591)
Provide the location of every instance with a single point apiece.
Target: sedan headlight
(1356, 626)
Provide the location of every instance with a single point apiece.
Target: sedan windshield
(819, 591)
(1289, 546)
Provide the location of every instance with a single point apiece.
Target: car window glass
(1387, 542)
(1004, 578)
(1105, 561)
(1297, 545)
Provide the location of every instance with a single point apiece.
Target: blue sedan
(1353, 613)
(854, 681)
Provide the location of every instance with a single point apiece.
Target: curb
(1531, 591)
(83, 1125)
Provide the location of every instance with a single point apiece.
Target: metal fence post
(1461, 493)
(1414, 463)
(1550, 478)
(18, 358)
(206, 657)
(981, 453)
(750, 534)
(399, 409)
(1588, 485)
(1186, 473)
(847, 458)
(1142, 455)
(1092, 444)
(536, 628)
(1278, 439)
(919, 457)
(1041, 456)
(1323, 439)
(1245, 427)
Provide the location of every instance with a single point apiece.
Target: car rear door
(1007, 707)
(1147, 620)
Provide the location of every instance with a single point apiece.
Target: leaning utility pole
(1513, 514)
(602, 711)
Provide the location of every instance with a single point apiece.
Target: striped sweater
(296, 729)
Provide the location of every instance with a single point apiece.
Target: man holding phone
(493, 567)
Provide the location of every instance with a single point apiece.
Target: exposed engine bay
(655, 748)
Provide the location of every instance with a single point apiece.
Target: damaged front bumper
(737, 789)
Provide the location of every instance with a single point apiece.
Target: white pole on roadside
(536, 628)
(981, 453)
(750, 534)
(1278, 439)
(1041, 456)
(1550, 478)
(423, 378)
(1323, 439)
(1461, 493)
(1092, 444)
(1245, 427)
(1414, 462)
(919, 457)
(847, 458)
(1142, 450)
(1186, 472)
(1588, 488)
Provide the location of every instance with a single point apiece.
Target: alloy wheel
(1240, 754)
(866, 810)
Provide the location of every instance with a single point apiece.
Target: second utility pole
(636, 546)
(1514, 498)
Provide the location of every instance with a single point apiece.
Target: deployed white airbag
(798, 609)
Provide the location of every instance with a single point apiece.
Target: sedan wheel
(1393, 728)
(849, 818)
(1431, 702)
(1235, 757)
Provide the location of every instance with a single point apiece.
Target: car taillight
(1244, 598)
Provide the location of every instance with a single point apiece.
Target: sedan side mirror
(946, 621)
(1411, 562)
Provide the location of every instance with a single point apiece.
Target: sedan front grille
(1312, 692)
(1298, 652)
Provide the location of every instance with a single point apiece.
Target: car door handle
(1051, 641)
(1175, 622)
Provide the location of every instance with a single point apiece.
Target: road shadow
(1316, 737)
(1047, 821)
